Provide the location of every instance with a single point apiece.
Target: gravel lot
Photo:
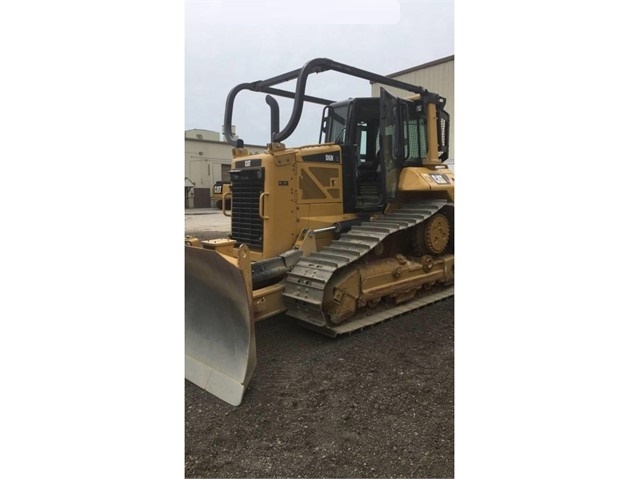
(377, 403)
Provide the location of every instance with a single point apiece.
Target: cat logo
(330, 158)
(440, 179)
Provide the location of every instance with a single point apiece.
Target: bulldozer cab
(378, 137)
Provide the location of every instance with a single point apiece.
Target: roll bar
(299, 96)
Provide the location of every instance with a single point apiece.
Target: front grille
(246, 225)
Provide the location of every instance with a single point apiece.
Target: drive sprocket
(432, 236)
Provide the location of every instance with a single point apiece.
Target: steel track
(307, 281)
(365, 319)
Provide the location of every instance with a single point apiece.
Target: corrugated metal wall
(438, 78)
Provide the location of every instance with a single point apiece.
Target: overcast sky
(228, 43)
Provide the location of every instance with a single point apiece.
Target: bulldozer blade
(219, 328)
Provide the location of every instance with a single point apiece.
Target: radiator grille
(246, 225)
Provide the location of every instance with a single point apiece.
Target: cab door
(393, 116)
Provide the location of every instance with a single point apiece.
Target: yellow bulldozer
(221, 196)
(342, 234)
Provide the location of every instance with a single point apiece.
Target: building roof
(209, 136)
(201, 134)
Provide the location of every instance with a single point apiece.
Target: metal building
(207, 159)
(437, 76)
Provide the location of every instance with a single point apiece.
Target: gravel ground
(377, 403)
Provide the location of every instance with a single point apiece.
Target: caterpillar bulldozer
(221, 193)
(342, 234)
